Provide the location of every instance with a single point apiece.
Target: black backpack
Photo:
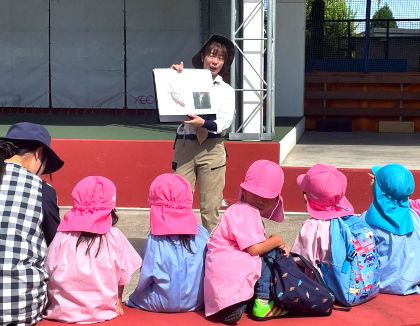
(295, 291)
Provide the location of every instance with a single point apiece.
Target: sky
(400, 9)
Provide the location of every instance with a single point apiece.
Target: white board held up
(179, 94)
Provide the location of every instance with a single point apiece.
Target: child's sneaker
(264, 310)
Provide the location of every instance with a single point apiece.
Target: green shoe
(261, 311)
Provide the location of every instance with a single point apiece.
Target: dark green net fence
(363, 35)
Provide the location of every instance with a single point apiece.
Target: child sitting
(397, 229)
(89, 260)
(171, 278)
(233, 266)
(324, 190)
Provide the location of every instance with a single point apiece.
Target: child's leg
(262, 287)
(264, 308)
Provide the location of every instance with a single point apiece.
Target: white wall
(290, 57)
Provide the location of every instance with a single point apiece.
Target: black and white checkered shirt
(22, 248)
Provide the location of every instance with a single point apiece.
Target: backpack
(295, 291)
(353, 273)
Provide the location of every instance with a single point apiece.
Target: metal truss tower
(253, 71)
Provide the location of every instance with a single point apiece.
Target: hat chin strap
(274, 208)
(43, 160)
(39, 169)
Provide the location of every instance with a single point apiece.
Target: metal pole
(348, 39)
(273, 67)
(49, 57)
(387, 40)
(270, 108)
(367, 35)
(233, 65)
(125, 56)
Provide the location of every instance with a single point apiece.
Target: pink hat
(265, 179)
(325, 187)
(171, 212)
(94, 198)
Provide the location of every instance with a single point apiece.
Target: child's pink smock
(313, 242)
(230, 272)
(84, 288)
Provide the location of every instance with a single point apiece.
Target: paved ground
(134, 223)
(358, 149)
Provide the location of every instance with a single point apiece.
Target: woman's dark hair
(184, 240)
(16, 147)
(91, 237)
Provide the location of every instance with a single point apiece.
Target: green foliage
(335, 10)
(335, 32)
(384, 13)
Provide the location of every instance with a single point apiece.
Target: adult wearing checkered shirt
(28, 221)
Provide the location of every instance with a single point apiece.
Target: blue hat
(37, 133)
(390, 208)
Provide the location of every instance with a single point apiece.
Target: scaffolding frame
(267, 116)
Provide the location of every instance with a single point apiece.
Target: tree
(384, 13)
(334, 31)
(334, 9)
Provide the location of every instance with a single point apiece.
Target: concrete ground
(357, 149)
(134, 223)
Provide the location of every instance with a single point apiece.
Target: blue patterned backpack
(294, 290)
(353, 273)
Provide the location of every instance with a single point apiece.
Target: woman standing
(200, 155)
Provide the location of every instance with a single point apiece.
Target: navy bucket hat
(36, 133)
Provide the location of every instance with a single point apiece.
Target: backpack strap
(310, 266)
(351, 253)
(341, 308)
(338, 225)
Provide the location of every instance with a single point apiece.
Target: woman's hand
(195, 121)
(178, 67)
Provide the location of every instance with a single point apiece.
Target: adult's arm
(226, 96)
(50, 212)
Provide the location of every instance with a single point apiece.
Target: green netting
(337, 38)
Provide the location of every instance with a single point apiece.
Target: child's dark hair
(91, 237)
(17, 147)
(184, 240)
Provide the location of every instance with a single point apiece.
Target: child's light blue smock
(399, 259)
(171, 278)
